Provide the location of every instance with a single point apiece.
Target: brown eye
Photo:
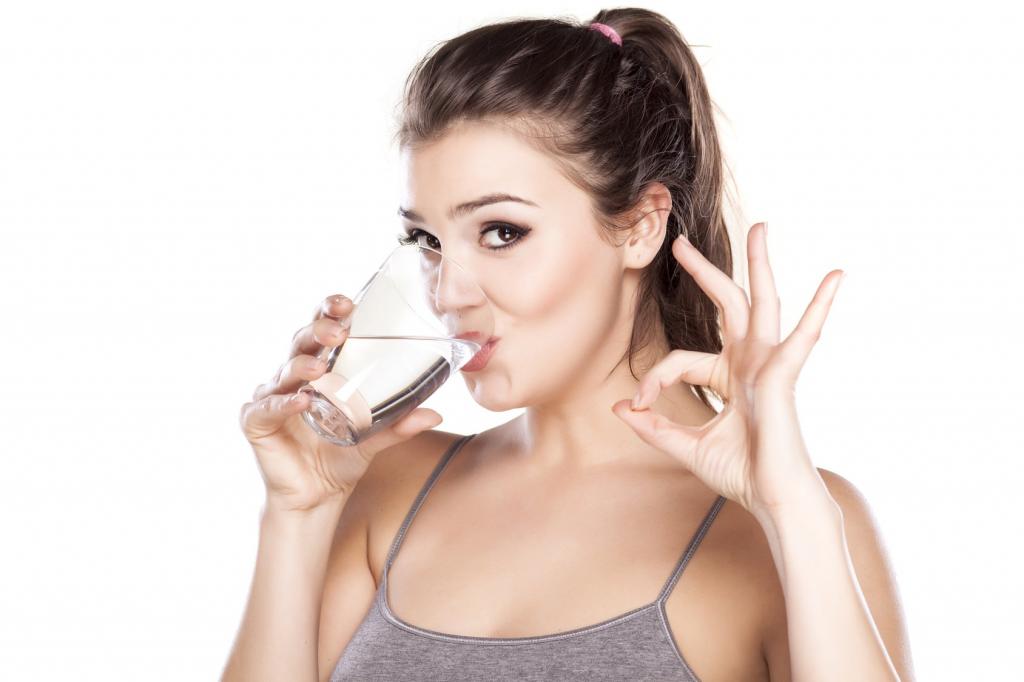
(414, 236)
(508, 235)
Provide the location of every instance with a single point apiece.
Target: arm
(277, 639)
(843, 616)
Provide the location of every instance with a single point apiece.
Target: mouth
(475, 337)
(478, 361)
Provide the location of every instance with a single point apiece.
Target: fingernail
(636, 401)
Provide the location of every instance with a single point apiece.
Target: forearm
(832, 635)
(277, 639)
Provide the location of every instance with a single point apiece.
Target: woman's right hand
(301, 470)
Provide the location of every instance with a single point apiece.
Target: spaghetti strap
(636, 644)
(691, 548)
(442, 463)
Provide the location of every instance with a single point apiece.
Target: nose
(456, 288)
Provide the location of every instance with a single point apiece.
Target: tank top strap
(438, 468)
(691, 548)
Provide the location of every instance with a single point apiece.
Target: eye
(413, 237)
(503, 230)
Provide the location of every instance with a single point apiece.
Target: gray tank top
(636, 645)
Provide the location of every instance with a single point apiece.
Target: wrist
(815, 504)
(281, 512)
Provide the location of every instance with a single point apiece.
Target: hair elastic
(608, 31)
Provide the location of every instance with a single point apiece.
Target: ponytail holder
(608, 31)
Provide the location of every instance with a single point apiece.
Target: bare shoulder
(727, 598)
(390, 485)
(844, 492)
(863, 531)
(874, 572)
(390, 475)
(351, 577)
(874, 569)
(400, 466)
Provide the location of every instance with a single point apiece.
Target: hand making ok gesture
(752, 452)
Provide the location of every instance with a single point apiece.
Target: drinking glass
(403, 344)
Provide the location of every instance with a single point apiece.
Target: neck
(578, 430)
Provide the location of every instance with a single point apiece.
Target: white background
(171, 176)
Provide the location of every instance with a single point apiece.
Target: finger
(693, 367)
(325, 332)
(659, 431)
(727, 295)
(265, 416)
(764, 300)
(336, 306)
(292, 375)
(793, 351)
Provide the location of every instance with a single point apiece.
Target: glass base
(327, 420)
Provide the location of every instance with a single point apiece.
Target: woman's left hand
(752, 452)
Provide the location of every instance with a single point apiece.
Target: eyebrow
(468, 206)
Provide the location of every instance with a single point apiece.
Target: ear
(648, 232)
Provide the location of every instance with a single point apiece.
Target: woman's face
(560, 296)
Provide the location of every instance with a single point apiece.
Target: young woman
(559, 162)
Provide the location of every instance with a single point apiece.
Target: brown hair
(615, 118)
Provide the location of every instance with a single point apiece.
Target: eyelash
(413, 236)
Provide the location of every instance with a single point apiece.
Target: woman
(559, 162)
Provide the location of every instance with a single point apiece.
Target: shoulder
(863, 531)
(849, 498)
(394, 470)
(390, 484)
(873, 566)
(864, 536)
(403, 464)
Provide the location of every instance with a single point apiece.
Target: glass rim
(447, 259)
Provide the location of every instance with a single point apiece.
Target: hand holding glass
(403, 344)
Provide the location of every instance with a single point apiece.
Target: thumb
(418, 420)
(659, 431)
(415, 422)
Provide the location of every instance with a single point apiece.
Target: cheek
(556, 311)
(565, 293)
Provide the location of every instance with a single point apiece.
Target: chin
(491, 392)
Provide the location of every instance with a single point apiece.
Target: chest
(539, 559)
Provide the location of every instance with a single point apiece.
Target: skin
(561, 281)
(568, 446)
(581, 507)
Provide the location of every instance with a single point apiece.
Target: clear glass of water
(416, 322)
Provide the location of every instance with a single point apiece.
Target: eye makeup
(413, 234)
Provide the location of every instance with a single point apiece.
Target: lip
(474, 336)
(479, 361)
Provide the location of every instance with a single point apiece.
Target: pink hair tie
(608, 31)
